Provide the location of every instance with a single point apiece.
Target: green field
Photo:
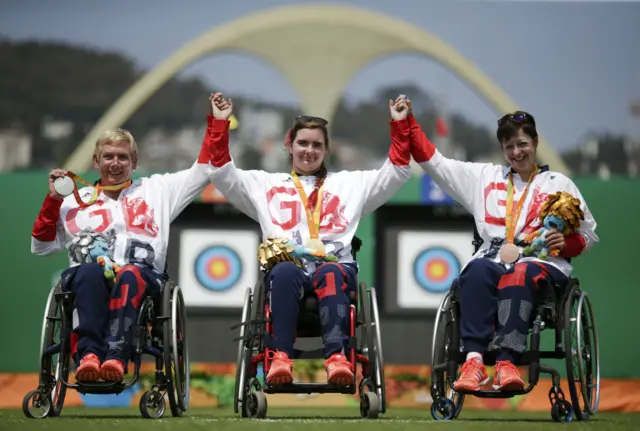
(311, 419)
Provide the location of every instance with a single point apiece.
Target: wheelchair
(364, 347)
(160, 331)
(564, 309)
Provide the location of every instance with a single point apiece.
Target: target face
(218, 268)
(435, 268)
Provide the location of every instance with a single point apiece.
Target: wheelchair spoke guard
(48, 399)
(582, 354)
(448, 403)
(372, 339)
(176, 355)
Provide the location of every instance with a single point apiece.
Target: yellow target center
(437, 269)
(218, 268)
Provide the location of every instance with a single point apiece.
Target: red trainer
(507, 377)
(89, 368)
(338, 370)
(112, 371)
(281, 370)
(473, 374)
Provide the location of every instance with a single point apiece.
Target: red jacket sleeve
(421, 147)
(574, 243)
(44, 228)
(399, 152)
(215, 145)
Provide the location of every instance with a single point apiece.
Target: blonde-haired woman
(130, 220)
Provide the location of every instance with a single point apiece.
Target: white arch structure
(318, 49)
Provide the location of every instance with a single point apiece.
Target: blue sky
(574, 65)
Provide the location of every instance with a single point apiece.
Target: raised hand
(399, 109)
(222, 108)
(408, 101)
(53, 175)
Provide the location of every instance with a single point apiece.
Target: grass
(312, 419)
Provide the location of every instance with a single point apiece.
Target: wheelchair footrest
(102, 388)
(309, 388)
(489, 393)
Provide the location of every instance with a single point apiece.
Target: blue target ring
(218, 268)
(435, 268)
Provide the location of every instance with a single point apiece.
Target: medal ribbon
(97, 189)
(312, 219)
(510, 220)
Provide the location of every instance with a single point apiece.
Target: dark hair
(509, 125)
(321, 174)
(297, 126)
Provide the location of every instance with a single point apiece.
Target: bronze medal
(509, 253)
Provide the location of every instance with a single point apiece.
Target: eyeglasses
(310, 119)
(515, 118)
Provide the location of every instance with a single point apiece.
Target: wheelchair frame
(157, 326)
(565, 309)
(254, 349)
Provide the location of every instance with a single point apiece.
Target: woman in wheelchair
(116, 233)
(308, 217)
(497, 290)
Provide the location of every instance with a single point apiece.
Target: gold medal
(315, 244)
(509, 253)
(313, 218)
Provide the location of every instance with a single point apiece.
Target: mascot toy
(560, 212)
(94, 247)
(275, 250)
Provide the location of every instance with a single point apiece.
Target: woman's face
(308, 150)
(520, 152)
(115, 163)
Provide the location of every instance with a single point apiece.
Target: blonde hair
(113, 136)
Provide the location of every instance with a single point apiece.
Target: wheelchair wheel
(54, 364)
(582, 353)
(249, 405)
(243, 357)
(256, 404)
(36, 405)
(369, 405)
(444, 330)
(152, 404)
(372, 338)
(176, 354)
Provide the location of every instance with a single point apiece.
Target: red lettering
(106, 218)
(332, 219)
(494, 219)
(531, 224)
(103, 213)
(292, 207)
(139, 217)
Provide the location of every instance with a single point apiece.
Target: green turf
(293, 419)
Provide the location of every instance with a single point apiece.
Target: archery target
(435, 268)
(428, 262)
(216, 266)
